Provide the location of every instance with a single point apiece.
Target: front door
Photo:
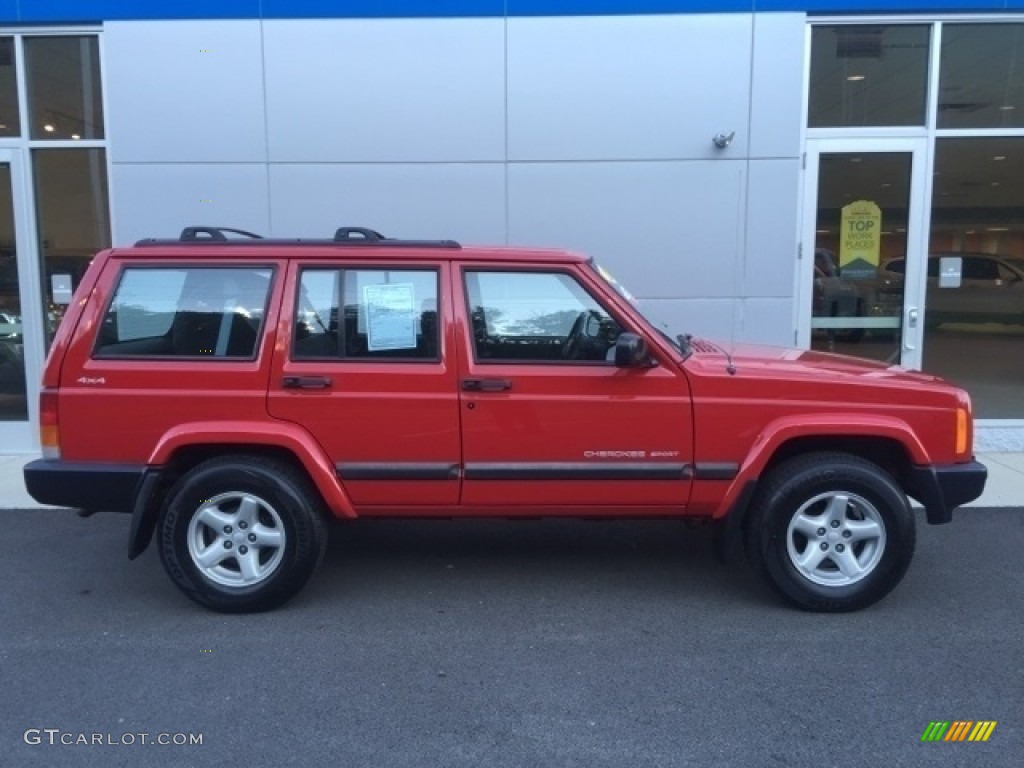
(864, 252)
(549, 422)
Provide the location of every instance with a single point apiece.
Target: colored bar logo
(958, 730)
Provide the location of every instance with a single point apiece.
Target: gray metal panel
(772, 228)
(709, 318)
(767, 321)
(184, 91)
(386, 90)
(157, 200)
(627, 87)
(463, 201)
(666, 229)
(778, 87)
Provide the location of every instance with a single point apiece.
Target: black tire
(258, 500)
(861, 559)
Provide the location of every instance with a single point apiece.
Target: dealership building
(841, 175)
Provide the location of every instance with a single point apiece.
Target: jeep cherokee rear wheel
(830, 532)
(242, 533)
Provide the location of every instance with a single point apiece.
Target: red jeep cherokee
(233, 393)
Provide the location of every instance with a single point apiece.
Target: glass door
(20, 342)
(863, 252)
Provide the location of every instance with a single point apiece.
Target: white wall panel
(386, 90)
(462, 201)
(184, 90)
(616, 87)
(772, 228)
(777, 93)
(157, 200)
(669, 230)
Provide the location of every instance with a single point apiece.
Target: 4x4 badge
(88, 380)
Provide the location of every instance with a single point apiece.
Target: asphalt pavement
(495, 643)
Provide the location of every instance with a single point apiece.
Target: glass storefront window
(868, 75)
(974, 310)
(72, 210)
(981, 76)
(64, 95)
(13, 400)
(10, 119)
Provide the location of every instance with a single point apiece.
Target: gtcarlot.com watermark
(57, 737)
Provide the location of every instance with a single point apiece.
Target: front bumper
(94, 487)
(941, 489)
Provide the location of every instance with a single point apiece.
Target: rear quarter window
(186, 312)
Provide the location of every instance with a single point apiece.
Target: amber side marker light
(49, 435)
(961, 430)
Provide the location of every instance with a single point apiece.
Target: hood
(782, 361)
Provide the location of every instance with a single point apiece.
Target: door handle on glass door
(912, 315)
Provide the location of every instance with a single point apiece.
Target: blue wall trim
(55, 11)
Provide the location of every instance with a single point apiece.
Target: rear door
(548, 420)
(365, 364)
(165, 341)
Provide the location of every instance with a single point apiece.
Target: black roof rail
(364, 236)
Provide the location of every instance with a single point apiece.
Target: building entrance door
(863, 273)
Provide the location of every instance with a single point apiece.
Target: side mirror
(631, 351)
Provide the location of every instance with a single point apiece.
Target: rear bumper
(89, 486)
(941, 489)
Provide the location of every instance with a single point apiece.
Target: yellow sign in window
(860, 243)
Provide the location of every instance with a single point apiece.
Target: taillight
(49, 434)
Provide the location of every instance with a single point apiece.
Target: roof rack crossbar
(345, 234)
(217, 234)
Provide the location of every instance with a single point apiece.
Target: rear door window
(367, 314)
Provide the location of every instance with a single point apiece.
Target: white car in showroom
(990, 288)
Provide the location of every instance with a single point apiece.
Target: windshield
(679, 341)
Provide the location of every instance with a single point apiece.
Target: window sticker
(390, 316)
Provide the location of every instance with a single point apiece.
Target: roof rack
(359, 236)
(218, 234)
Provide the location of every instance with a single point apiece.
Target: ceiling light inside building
(999, 157)
(1007, 107)
(49, 128)
(855, 78)
(75, 136)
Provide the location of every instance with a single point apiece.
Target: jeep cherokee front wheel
(830, 532)
(242, 533)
